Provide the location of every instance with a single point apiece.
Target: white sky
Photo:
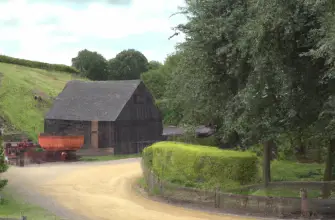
(56, 32)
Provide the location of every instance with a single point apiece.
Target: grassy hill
(18, 87)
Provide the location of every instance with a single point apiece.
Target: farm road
(99, 191)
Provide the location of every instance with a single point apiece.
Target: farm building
(110, 114)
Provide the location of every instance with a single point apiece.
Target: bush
(201, 166)
(192, 139)
(36, 64)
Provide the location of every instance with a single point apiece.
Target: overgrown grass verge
(108, 157)
(14, 207)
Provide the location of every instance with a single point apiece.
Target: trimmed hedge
(37, 64)
(201, 166)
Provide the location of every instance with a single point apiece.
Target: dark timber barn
(110, 114)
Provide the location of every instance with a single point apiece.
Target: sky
(54, 31)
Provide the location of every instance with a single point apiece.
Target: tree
(157, 78)
(3, 165)
(91, 65)
(153, 65)
(127, 65)
(156, 82)
(251, 66)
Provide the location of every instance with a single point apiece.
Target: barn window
(138, 99)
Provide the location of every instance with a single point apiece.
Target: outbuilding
(110, 114)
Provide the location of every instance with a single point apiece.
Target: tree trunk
(328, 173)
(267, 163)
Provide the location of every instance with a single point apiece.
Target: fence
(265, 206)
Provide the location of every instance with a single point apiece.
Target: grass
(17, 104)
(289, 171)
(281, 192)
(293, 171)
(108, 157)
(14, 207)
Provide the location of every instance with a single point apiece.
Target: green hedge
(201, 166)
(36, 64)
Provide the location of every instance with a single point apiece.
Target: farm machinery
(50, 148)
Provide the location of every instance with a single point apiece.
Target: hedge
(36, 64)
(201, 166)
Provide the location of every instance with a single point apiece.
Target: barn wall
(139, 124)
(133, 136)
(106, 134)
(141, 106)
(69, 127)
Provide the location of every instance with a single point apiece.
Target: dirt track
(99, 191)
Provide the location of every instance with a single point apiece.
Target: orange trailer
(60, 143)
(61, 146)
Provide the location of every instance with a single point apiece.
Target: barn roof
(97, 100)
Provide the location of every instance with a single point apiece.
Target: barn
(110, 114)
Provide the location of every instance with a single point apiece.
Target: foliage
(171, 114)
(3, 165)
(156, 81)
(17, 104)
(190, 138)
(201, 165)
(263, 69)
(153, 65)
(37, 64)
(91, 65)
(127, 65)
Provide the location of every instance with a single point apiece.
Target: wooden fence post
(217, 198)
(281, 208)
(305, 212)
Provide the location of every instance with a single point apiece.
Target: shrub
(36, 64)
(192, 139)
(201, 166)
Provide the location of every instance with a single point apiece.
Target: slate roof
(97, 100)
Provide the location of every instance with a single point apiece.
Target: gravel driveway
(95, 190)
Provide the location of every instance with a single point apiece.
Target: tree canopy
(91, 65)
(128, 64)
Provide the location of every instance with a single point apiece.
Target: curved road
(99, 191)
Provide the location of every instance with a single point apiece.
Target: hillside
(18, 88)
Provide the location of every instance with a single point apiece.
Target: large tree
(256, 68)
(91, 65)
(159, 75)
(127, 65)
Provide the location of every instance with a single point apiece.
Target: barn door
(94, 134)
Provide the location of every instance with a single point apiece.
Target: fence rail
(265, 206)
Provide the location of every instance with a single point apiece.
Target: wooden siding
(106, 134)
(145, 110)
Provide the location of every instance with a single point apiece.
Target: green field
(14, 207)
(17, 89)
